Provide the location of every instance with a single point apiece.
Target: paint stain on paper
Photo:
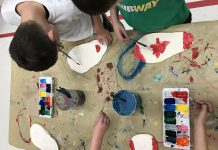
(109, 65)
(191, 79)
(158, 77)
(159, 47)
(216, 70)
(171, 69)
(186, 70)
(195, 53)
(193, 63)
(19, 115)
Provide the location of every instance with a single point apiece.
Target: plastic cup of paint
(126, 102)
(64, 102)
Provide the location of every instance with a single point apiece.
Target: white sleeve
(8, 12)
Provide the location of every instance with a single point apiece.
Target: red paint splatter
(98, 78)
(98, 70)
(195, 53)
(98, 48)
(20, 114)
(154, 143)
(193, 63)
(138, 54)
(205, 63)
(109, 65)
(131, 145)
(159, 47)
(187, 40)
(191, 79)
(180, 94)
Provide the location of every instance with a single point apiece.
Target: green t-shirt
(152, 15)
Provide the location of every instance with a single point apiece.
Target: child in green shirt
(143, 15)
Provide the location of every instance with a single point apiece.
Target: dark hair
(94, 7)
(31, 48)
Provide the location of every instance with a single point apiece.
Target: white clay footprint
(143, 142)
(163, 46)
(41, 138)
(87, 54)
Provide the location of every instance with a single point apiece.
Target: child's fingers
(208, 104)
(108, 121)
(103, 117)
(97, 120)
(124, 33)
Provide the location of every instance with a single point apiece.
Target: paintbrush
(141, 44)
(69, 57)
(201, 104)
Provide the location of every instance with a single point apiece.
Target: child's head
(32, 49)
(94, 7)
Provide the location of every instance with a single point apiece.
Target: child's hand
(104, 36)
(101, 126)
(201, 112)
(120, 31)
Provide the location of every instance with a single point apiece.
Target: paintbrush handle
(70, 57)
(141, 43)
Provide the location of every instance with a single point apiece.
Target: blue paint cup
(125, 102)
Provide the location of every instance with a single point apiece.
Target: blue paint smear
(173, 72)
(169, 107)
(136, 67)
(158, 77)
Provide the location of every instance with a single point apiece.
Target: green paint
(170, 114)
(170, 120)
(42, 112)
(47, 113)
(186, 70)
(158, 77)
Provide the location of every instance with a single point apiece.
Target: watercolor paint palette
(45, 97)
(176, 119)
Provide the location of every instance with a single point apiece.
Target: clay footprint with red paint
(162, 46)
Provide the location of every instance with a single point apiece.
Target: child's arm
(100, 128)
(102, 35)
(119, 29)
(201, 115)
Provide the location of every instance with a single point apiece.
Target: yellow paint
(42, 94)
(216, 64)
(155, 102)
(81, 114)
(155, 123)
(182, 108)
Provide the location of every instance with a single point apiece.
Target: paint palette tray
(45, 97)
(176, 119)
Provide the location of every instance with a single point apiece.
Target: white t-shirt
(71, 23)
